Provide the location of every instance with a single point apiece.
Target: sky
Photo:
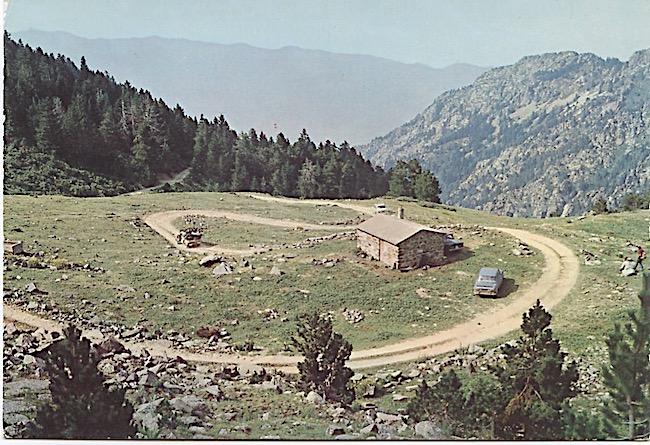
(433, 32)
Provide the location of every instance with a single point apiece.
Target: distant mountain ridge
(334, 96)
(545, 136)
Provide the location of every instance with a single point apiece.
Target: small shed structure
(401, 244)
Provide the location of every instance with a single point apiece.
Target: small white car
(489, 282)
(380, 208)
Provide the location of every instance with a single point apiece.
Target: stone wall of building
(389, 254)
(424, 248)
(368, 244)
(378, 249)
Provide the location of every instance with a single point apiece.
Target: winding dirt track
(163, 223)
(559, 276)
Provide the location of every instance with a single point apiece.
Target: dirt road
(179, 177)
(163, 223)
(559, 276)
(340, 203)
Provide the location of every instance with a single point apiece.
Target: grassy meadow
(396, 305)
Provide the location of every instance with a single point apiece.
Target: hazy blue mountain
(545, 136)
(334, 96)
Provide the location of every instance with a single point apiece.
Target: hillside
(542, 137)
(335, 96)
(114, 276)
(75, 131)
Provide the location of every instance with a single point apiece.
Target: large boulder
(146, 416)
(428, 430)
(388, 418)
(222, 269)
(209, 260)
(275, 271)
(315, 398)
(110, 345)
(189, 404)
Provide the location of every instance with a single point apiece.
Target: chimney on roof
(400, 213)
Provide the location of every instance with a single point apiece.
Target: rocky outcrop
(545, 136)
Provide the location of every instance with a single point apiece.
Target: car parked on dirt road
(489, 281)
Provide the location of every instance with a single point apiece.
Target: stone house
(401, 244)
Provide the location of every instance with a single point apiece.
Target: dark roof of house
(392, 229)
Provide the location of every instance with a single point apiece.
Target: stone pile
(38, 261)
(86, 319)
(522, 250)
(195, 221)
(353, 316)
(589, 258)
(325, 262)
(22, 347)
(172, 398)
(210, 260)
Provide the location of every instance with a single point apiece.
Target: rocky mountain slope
(545, 136)
(334, 96)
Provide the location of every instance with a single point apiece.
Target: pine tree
(325, 353)
(426, 187)
(81, 407)
(399, 180)
(443, 401)
(600, 207)
(48, 127)
(240, 178)
(535, 382)
(308, 180)
(200, 152)
(627, 376)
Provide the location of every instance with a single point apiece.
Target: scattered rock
(110, 345)
(210, 260)
(414, 374)
(190, 404)
(124, 288)
(146, 416)
(33, 289)
(352, 315)
(370, 392)
(14, 419)
(15, 406)
(335, 430)
(315, 398)
(215, 391)
(276, 272)
(370, 429)
(428, 430)
(222, 269)
(388, 418)
(148, 379)
(131, 332)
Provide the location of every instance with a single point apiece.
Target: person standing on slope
(640, 256)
